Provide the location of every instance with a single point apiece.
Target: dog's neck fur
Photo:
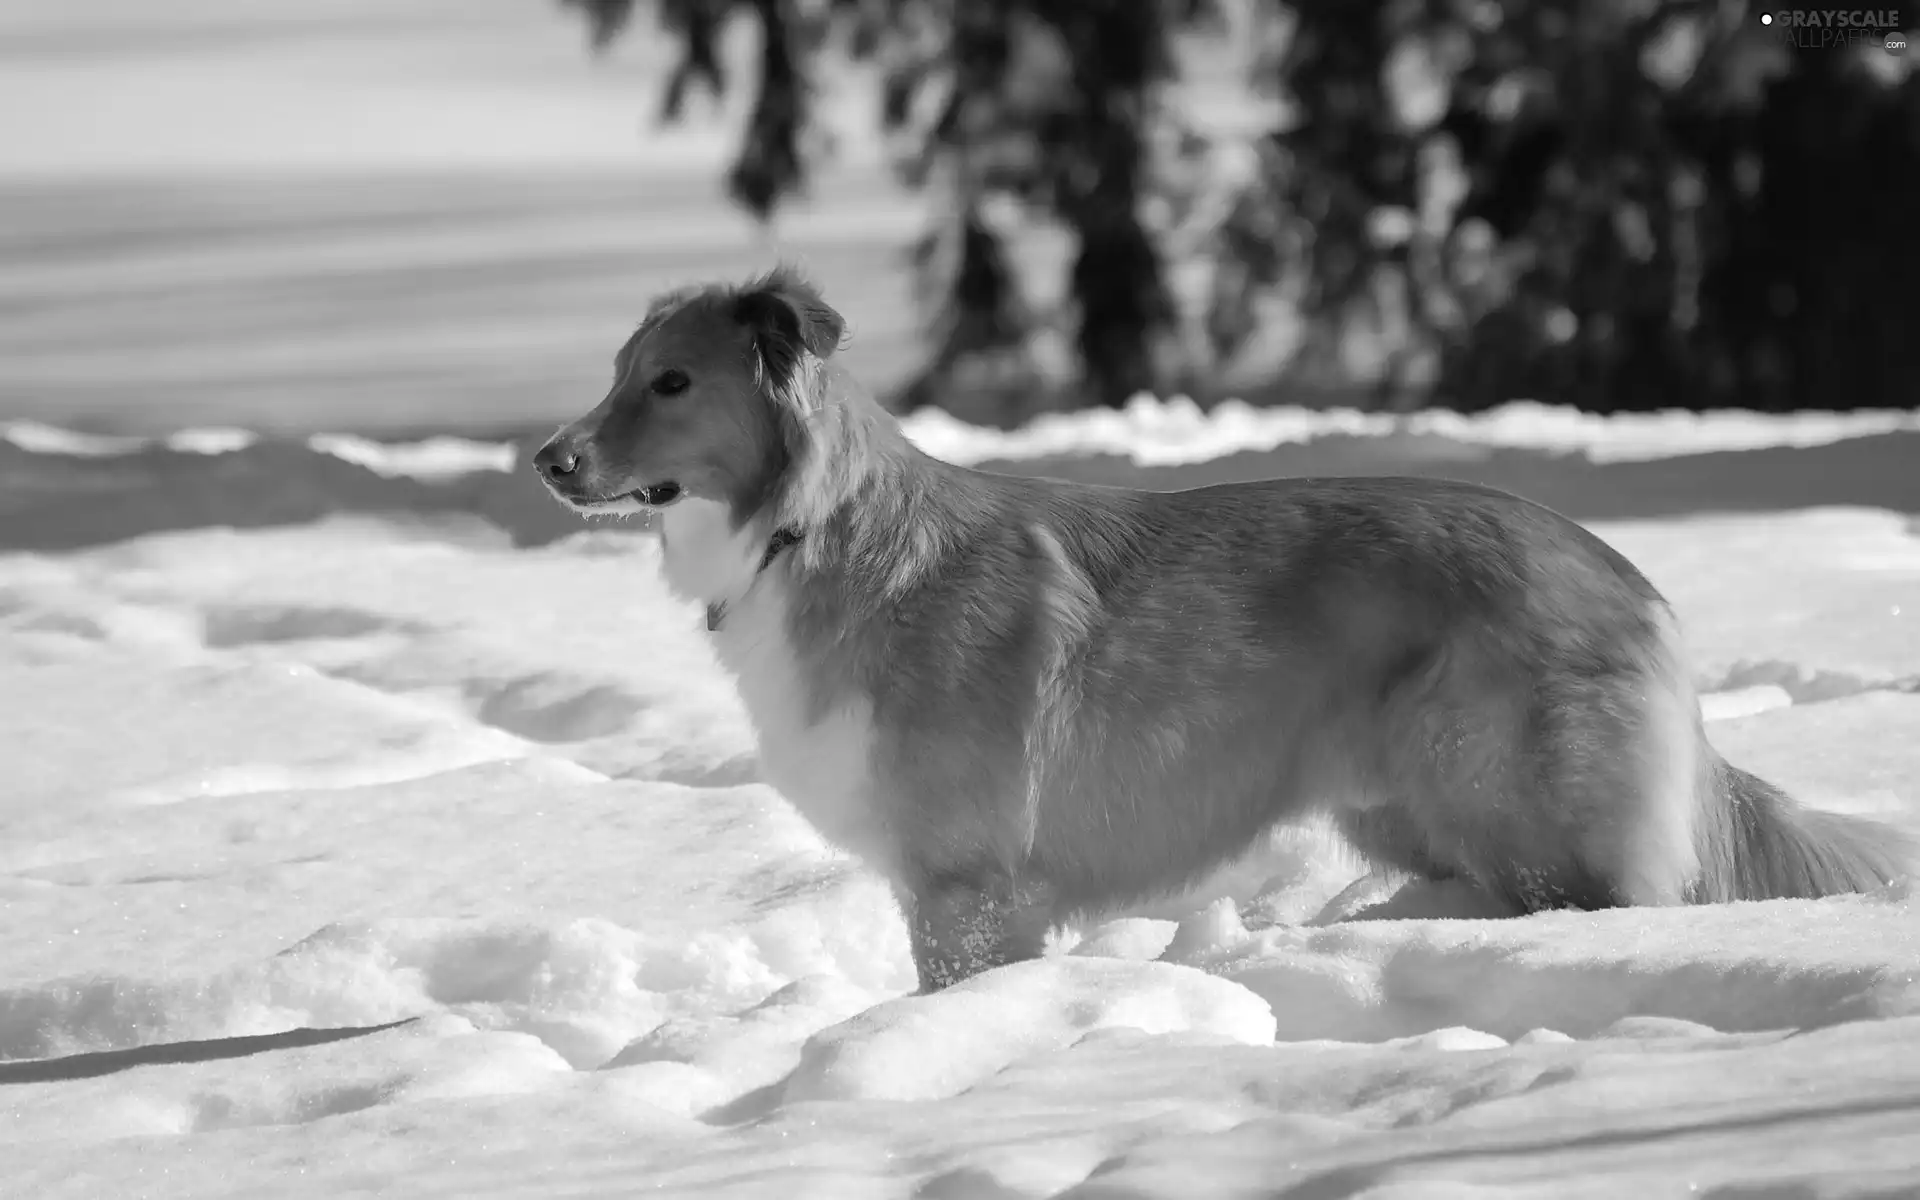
(707, 557)
(840, 498)
(782, 538)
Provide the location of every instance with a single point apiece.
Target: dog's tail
(1761, 845)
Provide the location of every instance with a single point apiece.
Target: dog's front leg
(960, 927)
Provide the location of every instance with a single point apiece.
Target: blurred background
(408, 216)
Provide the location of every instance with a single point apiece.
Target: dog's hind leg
(1593, 805)
(1519, 785)
(961, 925)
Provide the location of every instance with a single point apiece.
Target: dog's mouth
(660, 495)
(639, 500)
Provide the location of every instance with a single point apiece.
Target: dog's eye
(670, 383)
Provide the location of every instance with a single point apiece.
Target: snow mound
(928, 1047)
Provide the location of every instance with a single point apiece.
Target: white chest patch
(822, 767)
(702, 557)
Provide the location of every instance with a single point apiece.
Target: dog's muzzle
(561, 469)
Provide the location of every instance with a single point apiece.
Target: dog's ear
(788, 317)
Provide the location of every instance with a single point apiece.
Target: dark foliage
(1665, 204)
(1617, 206)
(1044, 102)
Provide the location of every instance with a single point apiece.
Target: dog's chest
(820, 765)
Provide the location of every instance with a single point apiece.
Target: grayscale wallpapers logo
(1833, 28)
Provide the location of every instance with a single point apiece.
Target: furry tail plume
(1763, 846)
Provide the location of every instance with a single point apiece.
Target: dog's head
(711, 399)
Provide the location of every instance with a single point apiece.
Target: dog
(1026, 702)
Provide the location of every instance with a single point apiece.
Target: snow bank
(1147, 432)
(1155, 432)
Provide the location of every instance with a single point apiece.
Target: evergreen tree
(1661, 204)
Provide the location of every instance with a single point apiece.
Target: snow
(1151, 431)
(437, 458)
(369, 769)
(36, 437)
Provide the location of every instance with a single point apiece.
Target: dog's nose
(556, 460)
